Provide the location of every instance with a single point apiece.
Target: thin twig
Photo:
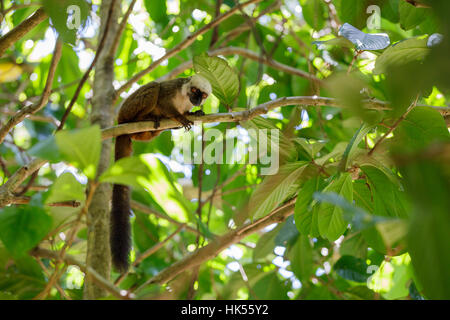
(217, 245)
(86, 74)
(123, 24)
(24, 112)
(183, 45)
(70, 260)
(226, 51)
(70, 238)
(402, 117)
(149, 252)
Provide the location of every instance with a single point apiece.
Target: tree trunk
(98, 251)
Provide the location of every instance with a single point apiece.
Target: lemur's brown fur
(153, 101)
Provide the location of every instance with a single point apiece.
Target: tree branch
(24, 112)
(19, 176)
(247, 54)
(183, 45)
(68, 259)
(217, 245)
(22, 29)
(86, 74)
(123, 24)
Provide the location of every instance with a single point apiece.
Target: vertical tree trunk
(98, 251)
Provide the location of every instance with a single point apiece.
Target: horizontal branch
(22, 29)
(26, 200)
(6, 190)
(134, 127)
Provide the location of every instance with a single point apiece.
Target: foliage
(365, 192)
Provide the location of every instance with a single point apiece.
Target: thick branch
(134, 127)
(22, 29)
(216, 246)
(17, 178)
(183, 45)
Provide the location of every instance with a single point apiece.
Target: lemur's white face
(198, 90)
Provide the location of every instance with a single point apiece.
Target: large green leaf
(269, 287)
(81, 148)
(65, 188)
(59, 14)
(301, 257)
(388, 199)
(428, 183)
(127, 171)
(410, 16)
(313, 12)
(331, 221)
(21, 228)
(422, 127)
(352, 268)
(223, 78)
(265, 244)
(401, 54)
(303, 213)
(276, 188)
(352, 11)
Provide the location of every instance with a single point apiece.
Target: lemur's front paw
(187, 124)
(197, 113)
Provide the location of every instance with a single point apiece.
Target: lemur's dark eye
(194, 89)
(204, 95)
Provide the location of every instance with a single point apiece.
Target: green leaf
(157, 10)
(354, 245)
(269, 288)
(428, 183)
(223, 78)
(276, 188)
(81, 148)
(352, 268)
(65, 188)
(352, 11)
(303, 213)
(422, 127)
(410, 16)
(353, 145)
(301, 257)
(262, 129)
(359, 219)
(287, 234)
(401, 54)
(46, 149)
(58, 12)
(313, 12)
(127, 171)
(21, 228)
(389, 200)
(330, 219)
(265, 244)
